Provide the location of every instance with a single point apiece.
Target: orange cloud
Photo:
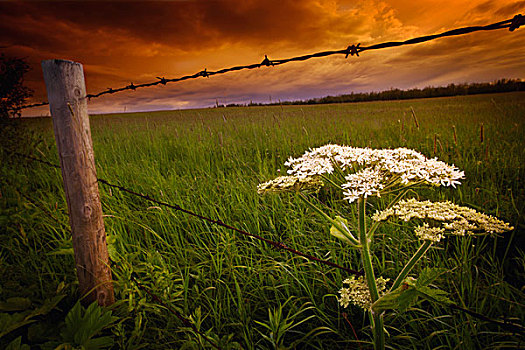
(121, 42)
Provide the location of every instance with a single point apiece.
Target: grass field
(241, 292)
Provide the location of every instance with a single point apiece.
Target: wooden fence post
(66, 93)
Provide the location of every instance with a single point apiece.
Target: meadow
(241, 292)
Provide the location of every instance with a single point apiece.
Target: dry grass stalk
(415, 118)
(481, 133)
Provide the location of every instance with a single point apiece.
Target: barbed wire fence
(277, 245)
(511, 23)
(505, 324)
(116, 266)
(352, 50)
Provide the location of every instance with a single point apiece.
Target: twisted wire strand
(512, 24)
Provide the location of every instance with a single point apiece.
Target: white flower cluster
(316, 162)
(427, 233)
(366, 182)
(453, 218)
(378, 166)
(290, 184)
(357, 292)
(412, 166)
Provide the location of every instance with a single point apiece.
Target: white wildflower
(427, 233)
(356, 291)
(411, 166)
(383, 215)
(315, 162)
(349, 157)
(364, 183)
(454, 219)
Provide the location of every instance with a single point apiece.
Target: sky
(119, 42)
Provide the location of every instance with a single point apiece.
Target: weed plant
(238, 291)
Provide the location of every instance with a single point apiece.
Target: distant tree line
(502, 85)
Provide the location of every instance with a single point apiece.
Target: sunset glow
(121, 42)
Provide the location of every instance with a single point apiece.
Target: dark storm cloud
(120, 42)
(186, 25)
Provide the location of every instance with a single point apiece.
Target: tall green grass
(241, 292)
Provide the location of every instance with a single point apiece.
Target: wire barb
(163, 80)
(266, 62)
(280, 246)
(204, 73)
(353, 50)
(517, 21)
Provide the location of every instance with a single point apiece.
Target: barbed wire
(278, 245)
(33, 105)
(512, 24)
(505, 324)
(511, 326)
(134, 277)
(34, 159)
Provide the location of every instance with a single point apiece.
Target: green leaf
(428, 276)
(400, 299)
(10, 322)
(72, 317)
(434, 295)
(81, 325)
(341, 230)
(407, 298)
(412, 291)
(389, 301)
(49, 304)
(16, 344)
(15, 304)
(99, 343)
(346, 232)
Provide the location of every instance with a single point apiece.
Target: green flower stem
(376, 224)
(373, 229)
(410, 264)
(397, 198)
(330, 181)
(342, 229)
(377, 318)
(393, 181)
(404, 187)
(365, 251)
(379, 333)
